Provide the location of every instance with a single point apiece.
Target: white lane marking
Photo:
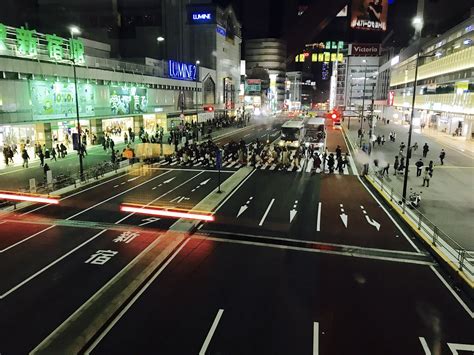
(74, 194)
(115, 186)
(132, 179)
(122, 183)
(315, 338)
(50, 265)
(233, 192)
(314, 250)
(211, 332)
(456, 296)
(134, 299)
(149, 220)
(161, 196)
(114, 196)
(454, 347)
(248, 134)
(370, 221)
(266, 212)
(24, 240)
(318, 223)
(425, 346)
(389, 216)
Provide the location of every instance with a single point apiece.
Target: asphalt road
(294, 264)
(231, 297)
(44, 271)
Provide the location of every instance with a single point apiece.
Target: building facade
(37, 90)
(444, 90)
(269, 53)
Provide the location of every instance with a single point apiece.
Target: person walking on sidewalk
(402, 165)
(41, 157)
(53, 154)
(382, 139)
(431, 167)
(385, 169)
(442, 155)
(426, 177)
(419, 166)
(396, 164)
(426, 149)
(25, 157)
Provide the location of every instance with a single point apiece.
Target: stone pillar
(137, 124)
(43, 134)
(97, 129)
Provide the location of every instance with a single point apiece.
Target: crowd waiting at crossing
(257, 154)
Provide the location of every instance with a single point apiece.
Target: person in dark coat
(419, 166)
(442, 155)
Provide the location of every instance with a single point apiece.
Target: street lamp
(197, 80)
(160, 39)
(418, 24)
(74, 30)
(363, 99)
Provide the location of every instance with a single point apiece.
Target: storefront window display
(117, 126)
(17, 134)
(153, 121)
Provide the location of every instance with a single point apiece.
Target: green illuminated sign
(76, 48)
(55, 49)
(3, 36)
(23, 42)
(26, 43)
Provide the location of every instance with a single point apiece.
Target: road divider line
(117, 195)
(425, 346)
(13, 289)
(266, 212)
(159, 197)
(315, 338)
(234, 191)
(208, 339)
(129, 304)
(318, 223)
(27, 238)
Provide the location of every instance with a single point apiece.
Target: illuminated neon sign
(202, 16)
(181, 71)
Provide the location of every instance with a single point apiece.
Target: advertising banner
(253, 86)
(54, 99)
(370, 15)
(127, 100)
(364, 49)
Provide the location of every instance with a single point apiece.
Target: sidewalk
(449, 201)
(15, 177)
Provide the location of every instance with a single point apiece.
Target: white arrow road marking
(461, 347)
(243, 208)
(372, 222)
(425, 346)
(149, 220)
(293, 211)
(318, 223)
(201, 184)
(179, 199)
(266, 212)
(343, 215)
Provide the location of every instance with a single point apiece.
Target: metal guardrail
(461, 258)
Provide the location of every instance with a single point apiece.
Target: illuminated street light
(74, 30)
(160, 39)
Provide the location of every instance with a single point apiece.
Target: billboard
(370, 15)
(127, 100)
(364, 49)
(253, 86)
(56, 99)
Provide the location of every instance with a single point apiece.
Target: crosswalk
(305, 166)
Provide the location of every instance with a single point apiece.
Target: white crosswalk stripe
(310, 165)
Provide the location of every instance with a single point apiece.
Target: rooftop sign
(25, 43)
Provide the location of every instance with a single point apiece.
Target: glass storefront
(17, 134)
(116, 126)
(152, 122)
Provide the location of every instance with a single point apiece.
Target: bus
(315, 133)
(292, 133)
